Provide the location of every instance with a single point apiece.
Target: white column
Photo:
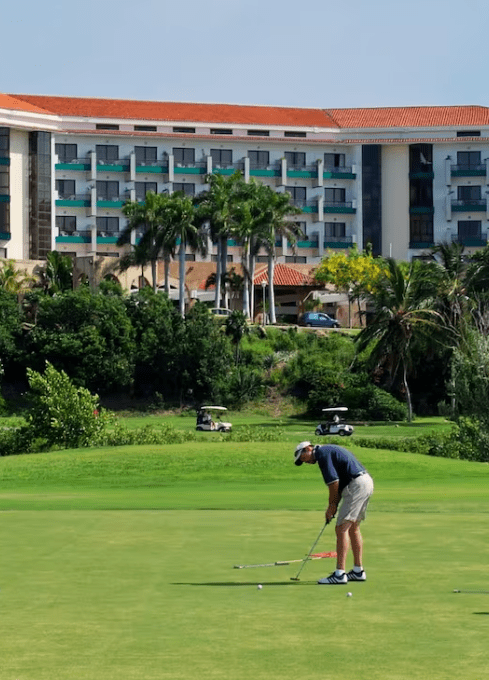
(246, 169)
(171, 168)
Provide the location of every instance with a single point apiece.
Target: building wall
(395, 201)
(18, 246)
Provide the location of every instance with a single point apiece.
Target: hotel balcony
(476, 240)
(76, 164)
(469, 205)
(468, 170)
(73, 201)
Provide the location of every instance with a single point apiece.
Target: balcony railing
(477, 239)
(469, 170)
(468, 204)
(343, 169)
(114, 199)
(73, 161)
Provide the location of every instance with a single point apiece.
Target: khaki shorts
(355, 498)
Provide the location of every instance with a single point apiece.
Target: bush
(63, 415)
(369, 402)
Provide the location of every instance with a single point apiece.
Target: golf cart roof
(337, 408)
(213, 408)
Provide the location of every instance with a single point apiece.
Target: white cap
(298, 451)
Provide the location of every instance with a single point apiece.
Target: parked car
(318, 319)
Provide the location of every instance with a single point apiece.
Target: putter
(296, 578)
(473, 592)
(282, 563)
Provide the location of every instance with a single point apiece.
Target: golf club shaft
(310, 552)
(281, 563)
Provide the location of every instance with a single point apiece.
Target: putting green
(136, 581)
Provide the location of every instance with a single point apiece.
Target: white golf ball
(259, 586)
(349, 594)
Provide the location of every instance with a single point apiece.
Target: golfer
(348, 481)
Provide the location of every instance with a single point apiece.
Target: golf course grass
(117, 564)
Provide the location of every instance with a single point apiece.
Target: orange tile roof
(13, 103)
(410, 116)
(284, 275)
(181, 112)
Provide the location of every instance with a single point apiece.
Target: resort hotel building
(399, 179)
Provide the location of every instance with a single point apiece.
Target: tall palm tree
(276, 208)
(182, 216)
(451, 263)
(150, 216)
(216, 207)
(402, 312)
(57, 274)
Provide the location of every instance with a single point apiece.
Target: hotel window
(184, 156)
(335, 229)
(188, 189)
(108, 225)
(66, 224)
(146, 154)
(106, 126)
(468, 133)
(295, 159)
(259, 159)
(289, 133)
(259, 133)
(469, 229)
(142, 189)
(295, 259)
(190, 130)
(66, 152)
(334, 160)
(145, 128)
(221, 131)
(107, 190)
(5, 217)
(107, 153)
(469, 194)
(221, 158)
(334, 195)
(469, 160)
(298, 194)
(421, 229)
(66, 188)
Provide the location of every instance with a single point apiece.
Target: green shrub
(63, 415)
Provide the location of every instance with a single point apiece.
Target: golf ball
(348, 594)
(259, 586)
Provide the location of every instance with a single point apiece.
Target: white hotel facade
(400, 179)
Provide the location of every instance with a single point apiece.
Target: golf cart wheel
(342, 433)
(309, 325)
(199, 428)
(318, 432)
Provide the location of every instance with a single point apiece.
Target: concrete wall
(18, 246)
(395, 201)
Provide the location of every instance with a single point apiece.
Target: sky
(309, 53)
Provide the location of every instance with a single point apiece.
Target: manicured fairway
(118, 564)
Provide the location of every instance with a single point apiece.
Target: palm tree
(14, 280)
(216, 207)
(149, 215)
(452, 267)
(57, 275)
(276, 208)
(181, 214)
(402, 313)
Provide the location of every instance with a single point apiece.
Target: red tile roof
(410, 116)
(181, 112)
(11, 102)
(284, 275)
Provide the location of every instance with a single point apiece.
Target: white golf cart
(335, 425)
(206, 422)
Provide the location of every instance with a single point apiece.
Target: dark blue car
(318, 319)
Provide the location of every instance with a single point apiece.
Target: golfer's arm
(334, 498)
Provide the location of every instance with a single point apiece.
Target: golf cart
(335, 425)
(205, 422)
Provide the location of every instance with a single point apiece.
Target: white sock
(339, 572)
(357, 569)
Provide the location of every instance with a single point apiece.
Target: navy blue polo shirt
(337, 463)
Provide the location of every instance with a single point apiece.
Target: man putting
(348, 481)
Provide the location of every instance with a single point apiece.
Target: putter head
(294, 578)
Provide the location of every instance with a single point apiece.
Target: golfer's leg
(342, 544)
(356, 543)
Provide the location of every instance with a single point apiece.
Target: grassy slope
(136, 580)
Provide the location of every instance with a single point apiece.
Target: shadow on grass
(482, 613)
(249, 583)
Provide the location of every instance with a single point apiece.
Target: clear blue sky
(317, 53)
